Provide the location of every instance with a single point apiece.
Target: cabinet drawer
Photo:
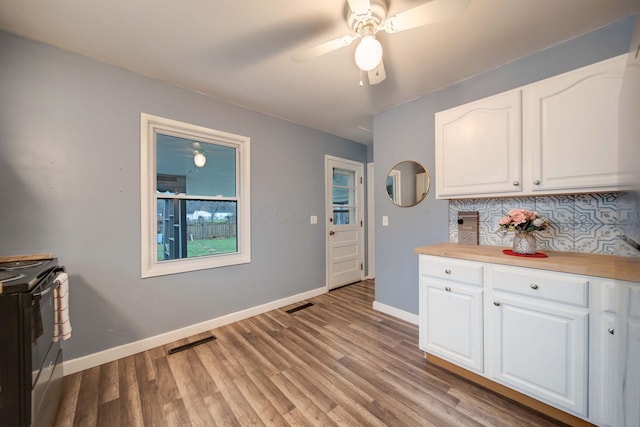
(549, 286)
(448, 269)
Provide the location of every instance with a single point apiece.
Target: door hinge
(361, 266)
(360, 223)
(361, 181)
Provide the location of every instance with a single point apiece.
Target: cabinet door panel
(454, 324)
(631, 384)
(571, 129)
(478, 147)
(541, 350)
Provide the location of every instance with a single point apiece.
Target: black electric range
(30, 359)
(23, 276)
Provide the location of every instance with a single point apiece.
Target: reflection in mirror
(407, 183)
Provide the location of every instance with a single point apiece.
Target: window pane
(344, 196)
(175, 157)
(194, 228)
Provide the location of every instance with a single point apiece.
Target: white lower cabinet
(630, 358)
(539, 349)
(452, 292)
(537, 334)
(567, 340)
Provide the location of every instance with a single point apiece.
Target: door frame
(360, 209)
(371, 223)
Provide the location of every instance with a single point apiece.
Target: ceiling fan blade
(428, 13)
(377, 75)
(360, 7)
(323, 48)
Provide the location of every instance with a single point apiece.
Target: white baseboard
(85, 362)
(396, 312)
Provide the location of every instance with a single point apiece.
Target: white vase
(524, 243)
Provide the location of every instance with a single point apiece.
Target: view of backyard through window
(210, 227)
(196, 197)
(196, 206)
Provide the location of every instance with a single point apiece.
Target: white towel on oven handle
(61, 322)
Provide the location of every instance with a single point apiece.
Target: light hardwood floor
(338, 362)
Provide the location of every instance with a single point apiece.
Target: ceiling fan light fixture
(368, 53)
(199, 159)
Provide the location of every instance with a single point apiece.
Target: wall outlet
(385, 221)
(313, 219)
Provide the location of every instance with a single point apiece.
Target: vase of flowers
(524, 223)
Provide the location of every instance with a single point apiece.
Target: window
(195, 197)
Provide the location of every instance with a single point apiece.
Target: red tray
(536, 255)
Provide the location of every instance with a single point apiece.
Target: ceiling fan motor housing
(376, 17)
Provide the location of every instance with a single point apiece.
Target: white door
(345, 222)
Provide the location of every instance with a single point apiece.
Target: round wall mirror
(407, 183)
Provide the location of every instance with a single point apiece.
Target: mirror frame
(396, 176)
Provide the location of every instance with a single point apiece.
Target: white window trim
(149, 126)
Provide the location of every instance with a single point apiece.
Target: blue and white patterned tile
(596, 238)
(598, 208)
(625, 250)
(629, 207)
(558, 237)
(454, 207)
(556, 209)
(488, 235)
(453, 236)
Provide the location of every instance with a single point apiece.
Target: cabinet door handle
(533, 286)
(611, 331)
(496, 303)
(331, 233)
(448, 289)
(447, 271)
(516, 183)
(536, 182)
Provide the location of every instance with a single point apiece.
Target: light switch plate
(385, 221)
(313, 219)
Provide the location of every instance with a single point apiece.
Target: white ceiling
(240, 50)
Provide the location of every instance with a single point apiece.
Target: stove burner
(6, 276)
(17, 265)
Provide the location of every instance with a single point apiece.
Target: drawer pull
(447, 271)
(536, 182)
(533, 286)
(448, 289)
(516, 183)
(496, 303)
(611, 331)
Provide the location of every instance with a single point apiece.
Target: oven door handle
(40, 294)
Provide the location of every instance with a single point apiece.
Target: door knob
(496, 303)
(331, 233)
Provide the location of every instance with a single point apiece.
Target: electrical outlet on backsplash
(589, 223)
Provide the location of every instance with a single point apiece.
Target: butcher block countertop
(610, 266)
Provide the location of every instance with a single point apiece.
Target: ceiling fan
(366, 17)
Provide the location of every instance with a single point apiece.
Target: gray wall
(70, 180)
(407, 132)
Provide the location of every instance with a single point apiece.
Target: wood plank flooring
(338, 362)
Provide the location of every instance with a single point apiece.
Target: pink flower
(506, 220)
(518, 217)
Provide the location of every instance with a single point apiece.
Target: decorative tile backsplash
(590, 223)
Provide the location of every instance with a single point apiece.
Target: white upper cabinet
(570, 129)
(559, 135)
(478, 147)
